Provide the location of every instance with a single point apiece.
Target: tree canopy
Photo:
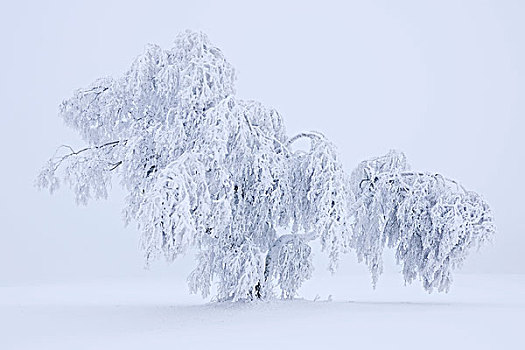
(205, 170)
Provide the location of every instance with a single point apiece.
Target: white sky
(444, 82)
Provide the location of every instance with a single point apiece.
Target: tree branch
(406, 174)
(74, 153)
(311, 135)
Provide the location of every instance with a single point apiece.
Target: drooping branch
(407, 174)
(457, 184)
(75, 153)
(311, 135)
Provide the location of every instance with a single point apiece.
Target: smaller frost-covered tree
(206, 171)
(432, 222)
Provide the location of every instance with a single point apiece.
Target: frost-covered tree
(432, 222)
(206, 171)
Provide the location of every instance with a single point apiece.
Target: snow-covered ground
(480, 312)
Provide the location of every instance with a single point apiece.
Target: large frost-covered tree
(206, 171)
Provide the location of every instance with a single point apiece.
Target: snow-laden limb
(432, 222)
(87, 171)
(205, 170)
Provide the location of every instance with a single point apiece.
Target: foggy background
(443, 82)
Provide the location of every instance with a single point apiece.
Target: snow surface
(480, 312)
